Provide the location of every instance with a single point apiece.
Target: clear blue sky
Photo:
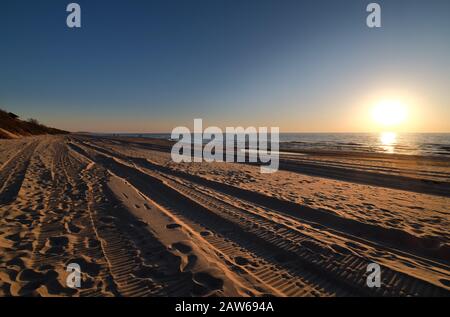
(148, 66)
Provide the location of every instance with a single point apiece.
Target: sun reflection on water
(388, 141)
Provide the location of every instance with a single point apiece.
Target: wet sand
(139, 224)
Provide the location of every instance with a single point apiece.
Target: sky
(149, 66)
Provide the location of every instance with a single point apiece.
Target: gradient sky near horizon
(148, 66)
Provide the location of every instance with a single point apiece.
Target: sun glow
(389, 113)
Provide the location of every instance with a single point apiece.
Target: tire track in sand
(313, 255)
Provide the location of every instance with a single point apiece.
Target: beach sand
(139, 224)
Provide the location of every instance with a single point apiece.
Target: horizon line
(323, 132)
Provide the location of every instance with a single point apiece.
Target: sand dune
(12, 127)
(139, 224)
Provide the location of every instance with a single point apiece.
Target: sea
(432, 144)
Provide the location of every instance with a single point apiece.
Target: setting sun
(389, 113)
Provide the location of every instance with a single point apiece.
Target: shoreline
(422, 174)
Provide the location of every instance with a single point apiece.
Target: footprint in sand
(4, 289)
(445, 282)
(54, 287)
(205, 283)
(173, 226)
(141, 223)
(71, 228)
(90, 268)
(241, 260)
(107, 219)
(45, 267)
(16, 264)
(56, 245)
(8, 275)
(25, 220)
(191, 261)
(28, 282)
(29, 275)
(14, 237)
(183, 248)
(147, 206)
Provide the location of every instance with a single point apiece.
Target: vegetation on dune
(12, 127)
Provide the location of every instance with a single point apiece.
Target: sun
(389, 113)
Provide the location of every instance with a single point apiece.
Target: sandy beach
(139, 224)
